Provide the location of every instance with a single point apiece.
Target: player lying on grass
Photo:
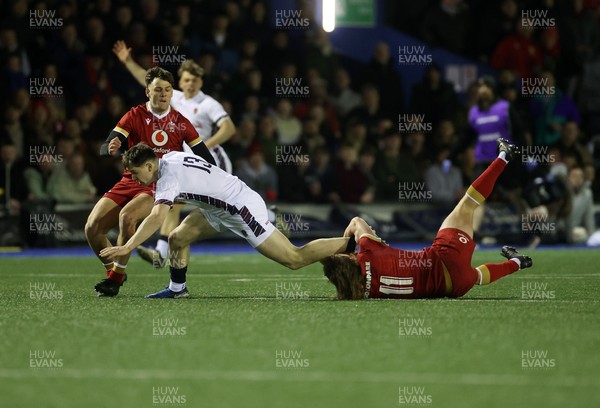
(442, 270)
(223, 201)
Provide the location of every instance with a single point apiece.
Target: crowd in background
(333, 135)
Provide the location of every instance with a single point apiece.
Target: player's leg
(195, 226)
(129, 217)
(104, 217)
(278, 248)
(490, 272)
(157, 256)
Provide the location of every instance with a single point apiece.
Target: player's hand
(121, 51)
(112, 252)
(113, 146)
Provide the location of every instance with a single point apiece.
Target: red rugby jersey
(396, 273)
(163, 133)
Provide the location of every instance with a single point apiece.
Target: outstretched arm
(358, 227)
(148, 227)
(226, 130)
(124, 54)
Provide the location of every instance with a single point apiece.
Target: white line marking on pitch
(517, 380)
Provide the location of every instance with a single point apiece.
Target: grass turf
(227, 345)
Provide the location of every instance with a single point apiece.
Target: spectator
(444, 179)
(258, 175)
(343, 98)
(288, 127)
(370, 112)
(497, 22)
(448, 25)
(393, 166)
(519, 52)
(381, 74)
(267, 137)
(570, 145)
(12, 183)
(550, 112)
(351, 184)
(320, 55)
(71, 184)
(434, 97)
(580, 221)
(319, 177)
(328, 123)
(243, 138)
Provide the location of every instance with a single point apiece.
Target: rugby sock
(484, 184)
(490, 272)
(117, 277)
(118, 268)
(162, 246)
(108, 267)
(177, 283)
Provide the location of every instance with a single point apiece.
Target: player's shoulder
(370, 241)
(140, 109)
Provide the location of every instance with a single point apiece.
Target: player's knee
(92, 227)
(175, 239)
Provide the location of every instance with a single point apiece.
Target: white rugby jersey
(202, 110)
(187, 178)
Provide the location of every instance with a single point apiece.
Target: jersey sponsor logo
(368, 278)
(160, 137)
(462, 238)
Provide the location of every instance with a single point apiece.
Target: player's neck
(190, 95)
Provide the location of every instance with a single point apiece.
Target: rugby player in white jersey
(207, 116)
(223, 202)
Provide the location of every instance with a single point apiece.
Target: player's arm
(124, 54)
(113, 143)
(148, 227)
(358, 228)
(200, 149)
(225, 132)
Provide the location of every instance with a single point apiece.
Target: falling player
(208, 117)
(226, 202)
(442, 270)
(128, 202)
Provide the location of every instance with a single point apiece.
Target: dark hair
(191, 67)
(344, 273)
(138, 155)
(160, 73)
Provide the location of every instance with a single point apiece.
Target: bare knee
(94, 227)
(175, 239)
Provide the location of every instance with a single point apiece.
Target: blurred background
(384, 116)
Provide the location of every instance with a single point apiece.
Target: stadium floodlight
(328, 15)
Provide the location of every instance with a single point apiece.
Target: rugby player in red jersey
(163, 129)
(441, 270)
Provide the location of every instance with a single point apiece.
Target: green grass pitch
(257, 335)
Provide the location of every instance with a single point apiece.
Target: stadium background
(254, 334)
(297, 96)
